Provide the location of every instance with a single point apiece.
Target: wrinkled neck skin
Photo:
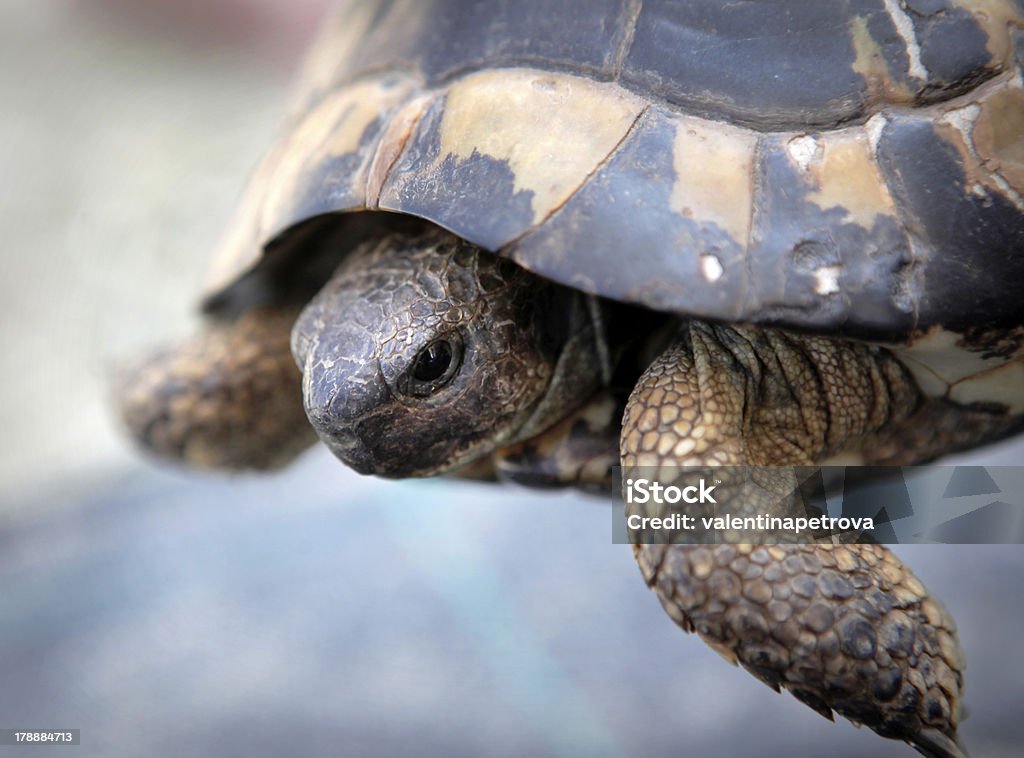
(424, 353)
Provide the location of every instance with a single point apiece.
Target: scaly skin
(579, 451)
(229, 397)
(845, 628)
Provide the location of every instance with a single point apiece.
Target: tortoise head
(424, 353)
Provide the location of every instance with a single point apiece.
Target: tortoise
(527, 241)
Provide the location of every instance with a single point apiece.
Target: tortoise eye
(434, 367)
(433, 361)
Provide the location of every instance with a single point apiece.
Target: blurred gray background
(312, 612)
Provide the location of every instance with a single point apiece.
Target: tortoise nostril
(330, 406)
(337, 388)
(334, 416)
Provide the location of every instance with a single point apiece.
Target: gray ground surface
(317, 613)
(314, 612)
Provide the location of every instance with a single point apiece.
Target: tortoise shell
(851, 167)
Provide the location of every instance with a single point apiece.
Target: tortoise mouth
(351, 451)
(373, 446)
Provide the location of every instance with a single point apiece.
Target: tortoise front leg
(845, 628)
(230, 397)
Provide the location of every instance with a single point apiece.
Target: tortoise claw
(935, 744)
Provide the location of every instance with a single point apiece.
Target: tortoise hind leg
(230, 397)
(844, 628)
